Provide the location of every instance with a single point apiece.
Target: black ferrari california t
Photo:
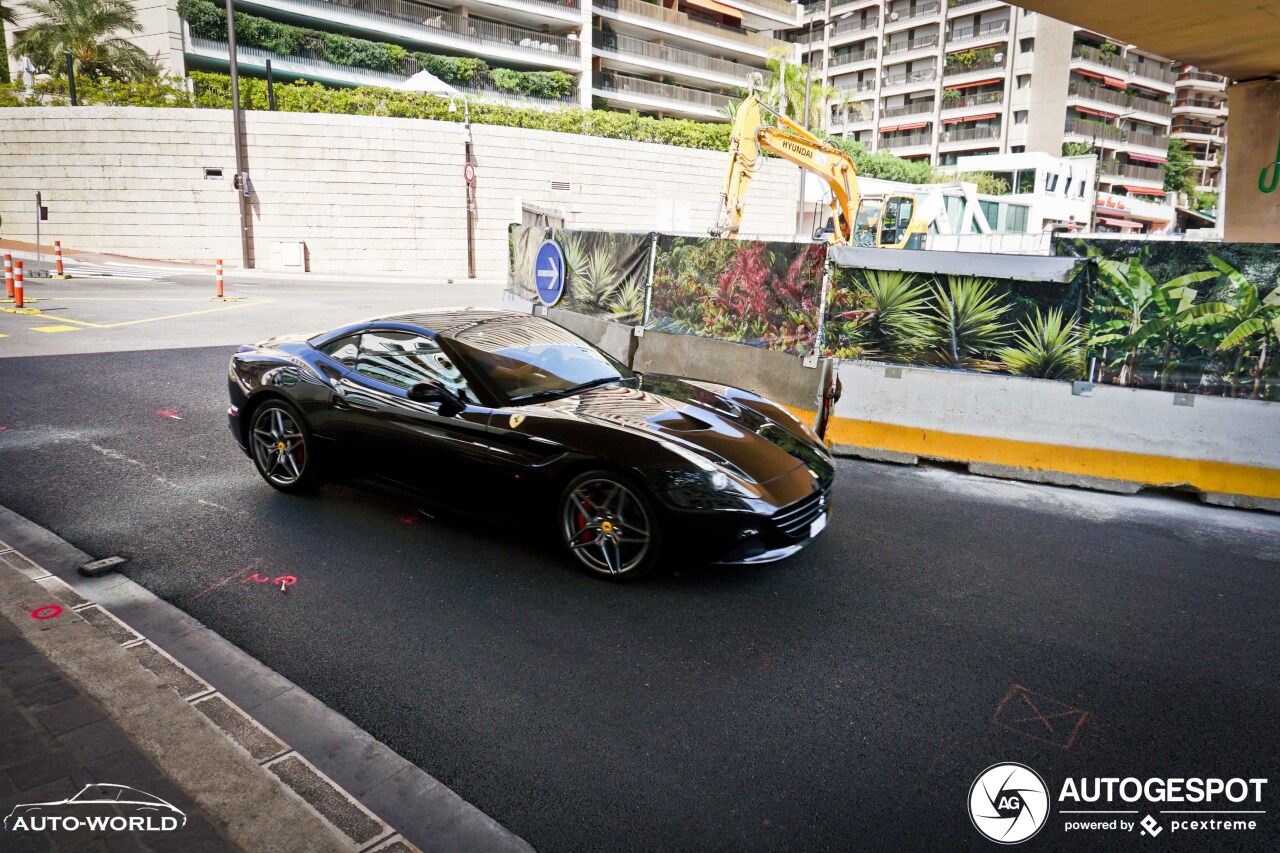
(503, 412)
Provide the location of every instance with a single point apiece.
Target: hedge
(209, 20)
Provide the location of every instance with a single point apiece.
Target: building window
(1019, 116)
(1017, 149)
(1024, 81)
(1026, 45)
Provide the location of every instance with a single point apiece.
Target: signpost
(42, 215)
(469, 174)
(548, 273)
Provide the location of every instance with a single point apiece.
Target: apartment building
(936, 81)
(1200, 120)
(682, 58)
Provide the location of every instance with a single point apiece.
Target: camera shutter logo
(1008, 803)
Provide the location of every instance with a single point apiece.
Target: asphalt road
(845, 699)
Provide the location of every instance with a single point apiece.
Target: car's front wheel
(609, 526)
(283, 449)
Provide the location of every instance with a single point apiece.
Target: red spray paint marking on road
(169, 413)
(47, 612)
(284, 581)
(228, 579)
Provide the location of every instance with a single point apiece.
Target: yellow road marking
(54, 329)
(125, 299)
(1148, 469)
(4, 336)
(165, 317)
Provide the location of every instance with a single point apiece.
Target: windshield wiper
(564, 392)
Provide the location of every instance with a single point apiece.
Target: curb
(318, 815)
(369, 797)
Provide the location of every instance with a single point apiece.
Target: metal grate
(561, 186)
(795, 518)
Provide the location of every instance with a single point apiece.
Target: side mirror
(430, 392)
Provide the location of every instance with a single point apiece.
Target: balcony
(911, 16)
(663, 97)
(1080, 91)
(956, 71)
(1152, 72)
(840, 60)
(1190, 105)
(1112, 169)
(968, 7)
(954, 134)
(978, 99)
(1084, 54)
(817, 7)
(913, 79)
(1196, 131)
(1202, 80)
(896, 49)
(645, 53)
(961, 36)
(1089, 131)
(851, 115)
(1163, 109)
(782, 11)
(908, 109)
(648, 14)
(420, 24)
(845, 31)
(910, 140)
(1158, 142)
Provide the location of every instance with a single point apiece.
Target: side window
(404, 359)
(344, 350)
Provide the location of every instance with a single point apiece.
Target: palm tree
(1049, 347)
(887, 317)
(1249, 316)
(1175, 309)
(783, 90)
(967, 323)
(6, 15)
(87, 29)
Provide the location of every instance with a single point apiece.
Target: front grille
(794, 519)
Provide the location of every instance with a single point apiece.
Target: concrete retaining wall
(1113, 438)
(366, 194)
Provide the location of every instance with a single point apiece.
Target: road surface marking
(54, 329)
(165, 317)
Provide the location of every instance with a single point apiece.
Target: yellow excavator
(893, 221)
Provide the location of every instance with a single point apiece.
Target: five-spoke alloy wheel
(282, 447)
(609, 526)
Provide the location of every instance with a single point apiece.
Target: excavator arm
(791, 142)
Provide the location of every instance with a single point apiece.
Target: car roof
(433, 322)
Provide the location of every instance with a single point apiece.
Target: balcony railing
(1103, 95)
(956, 4)
(1200, 104)
(963, 34)
(1151, 106)
(1129, 170)
(420, 16)
(1195, 127)
(956, 69)
(845, 27)
(779, 6)
(1204, 76)
(838, 59)
(654, 12)
(914, 44)
(623, 84)
(975, 100)
(1152, 71)
(1094, 130)
(912, 77)
(628, 46)
(921, 10)
(908, 109)
(966, 134)
(907, 140)
(1158, 141)
(1092, 54)
(815, 7)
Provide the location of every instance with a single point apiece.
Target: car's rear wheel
(283, 449)
(609, 526)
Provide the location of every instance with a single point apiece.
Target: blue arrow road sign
(548, 273)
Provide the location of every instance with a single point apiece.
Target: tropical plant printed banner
(959, 322)
(606, 273)
(766, 295)
(1195, 317)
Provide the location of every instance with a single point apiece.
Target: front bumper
(748, 538)
(233, 421)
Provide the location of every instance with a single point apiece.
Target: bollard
(219, 278)
(59, 273)
(17, 284)
(8, 276)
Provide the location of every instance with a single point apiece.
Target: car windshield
(527, 358)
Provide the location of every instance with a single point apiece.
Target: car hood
(698, 419)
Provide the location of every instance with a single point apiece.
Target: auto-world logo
(99, 808)
(1008, 803)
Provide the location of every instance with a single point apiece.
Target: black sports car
(507, 412)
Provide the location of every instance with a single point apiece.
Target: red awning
(1095, 112)
(1115, 82)
(1119, 223)
(915, 126)
(970, 118)
(975, 83)
(1146, 158)
(1143, 190)
(718, 8)
(1084, 73)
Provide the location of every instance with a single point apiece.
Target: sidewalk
(86, 701)
(55, 741)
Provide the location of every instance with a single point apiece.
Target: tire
(609, 526)
(282, 447)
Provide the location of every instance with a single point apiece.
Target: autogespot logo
(1008, 803)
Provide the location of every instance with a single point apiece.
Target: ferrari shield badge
(516, 420)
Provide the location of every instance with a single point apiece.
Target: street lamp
(471, 187)
(242, 176)
(1097, 176)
